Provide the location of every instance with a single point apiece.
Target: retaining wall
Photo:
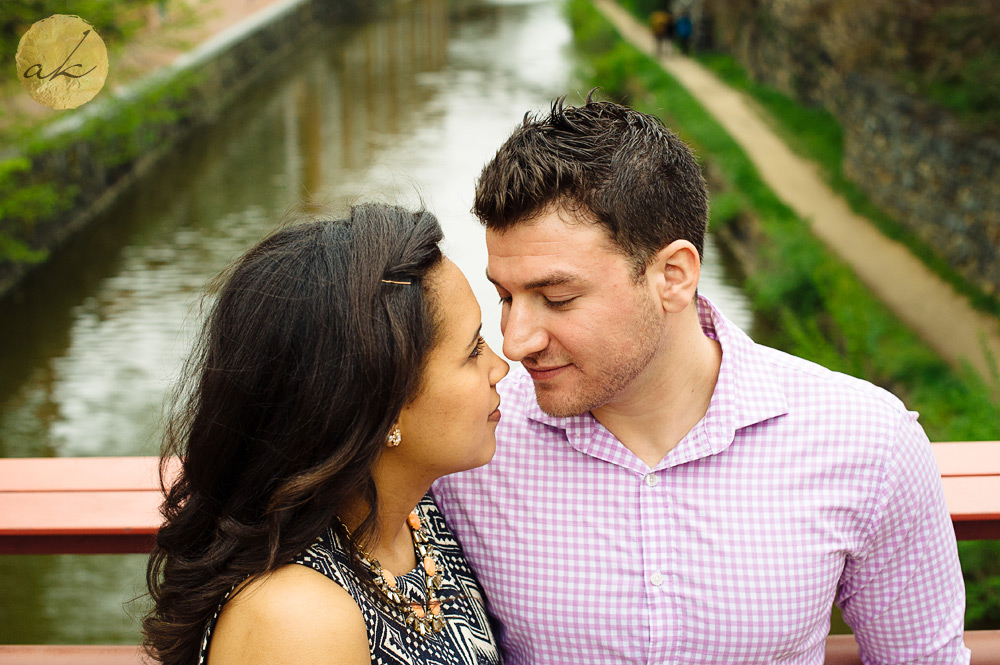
(935, 177)
(938, 181)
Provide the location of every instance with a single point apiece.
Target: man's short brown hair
(606, 163)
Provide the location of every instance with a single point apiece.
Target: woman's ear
(674, 275)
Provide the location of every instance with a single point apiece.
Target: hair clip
(392, 281)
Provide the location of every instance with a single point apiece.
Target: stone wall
(937, 179)
(95, 153)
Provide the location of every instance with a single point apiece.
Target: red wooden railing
(109, 505)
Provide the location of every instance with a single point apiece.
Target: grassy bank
(813, 304)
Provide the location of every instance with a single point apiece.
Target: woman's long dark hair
(306, 359)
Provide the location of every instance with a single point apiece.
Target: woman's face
(451, 424)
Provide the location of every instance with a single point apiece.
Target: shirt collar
(745, 394)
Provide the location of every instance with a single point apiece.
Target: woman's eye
(480, 345)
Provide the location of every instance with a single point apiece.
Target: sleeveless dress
(467, 638)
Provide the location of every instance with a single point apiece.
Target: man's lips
(545, 373)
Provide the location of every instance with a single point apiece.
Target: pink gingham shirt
(798, 487)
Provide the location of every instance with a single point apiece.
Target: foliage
(942, 50)
(727, 208)
(117, 134)
(812, 304)
(20, 206)
(113, 21)
(981, 563)
(947, 50)
(644, 8)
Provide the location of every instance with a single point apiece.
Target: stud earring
(394, 437)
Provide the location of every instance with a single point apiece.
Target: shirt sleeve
(903, 595)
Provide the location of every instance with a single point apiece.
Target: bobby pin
(391, 281)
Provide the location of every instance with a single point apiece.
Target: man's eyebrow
(475, 338)
(554, 279)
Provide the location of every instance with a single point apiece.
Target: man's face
(573, 314)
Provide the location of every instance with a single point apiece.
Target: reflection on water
(405, 109)
(72, 599)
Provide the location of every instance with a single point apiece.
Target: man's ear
(674, 275)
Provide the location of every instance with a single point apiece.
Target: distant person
(683, 31)
(665, 490)
(340, 372)
(662, 24)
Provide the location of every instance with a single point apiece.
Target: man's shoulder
(805, 382)
(793, 380)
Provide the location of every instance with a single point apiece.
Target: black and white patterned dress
(466, 639)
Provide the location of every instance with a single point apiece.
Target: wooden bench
(79, 505)
(110, 505)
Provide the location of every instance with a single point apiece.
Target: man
(684, 30)
(665, 490)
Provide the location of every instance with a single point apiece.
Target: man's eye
(558, 303)
(504, 300)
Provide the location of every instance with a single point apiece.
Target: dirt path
(930, 306)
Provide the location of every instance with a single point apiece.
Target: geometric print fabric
(467, 638)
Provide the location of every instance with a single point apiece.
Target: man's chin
(556, 404)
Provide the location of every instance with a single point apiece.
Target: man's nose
(522, 334)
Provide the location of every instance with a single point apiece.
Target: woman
(340, 372)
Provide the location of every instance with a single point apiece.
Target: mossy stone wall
(935, 175)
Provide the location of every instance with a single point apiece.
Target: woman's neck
(391, 541)
(394, 549)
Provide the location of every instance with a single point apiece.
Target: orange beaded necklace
(423, 617)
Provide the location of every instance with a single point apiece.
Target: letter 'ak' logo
(62, 62)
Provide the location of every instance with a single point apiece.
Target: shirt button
(652, 480)
(656, 579)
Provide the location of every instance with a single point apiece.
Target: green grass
(813, 304)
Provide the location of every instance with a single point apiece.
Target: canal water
(403, 109)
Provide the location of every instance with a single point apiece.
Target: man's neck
(669, 398)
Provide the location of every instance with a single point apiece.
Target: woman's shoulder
(292, 615)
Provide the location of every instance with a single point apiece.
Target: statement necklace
(423, 617)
